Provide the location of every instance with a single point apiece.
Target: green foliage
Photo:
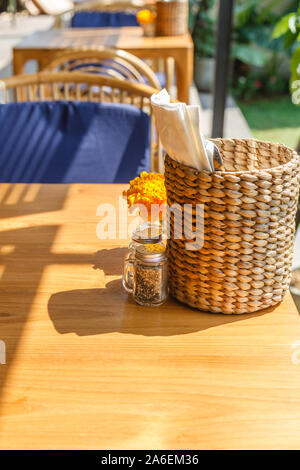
(243, 11)
(273, 119)
(9, 5)
(245, 87)
(255, 41)
(288, 28)
(282, 26)
(249, 55)
(253, 24)
(203, 27)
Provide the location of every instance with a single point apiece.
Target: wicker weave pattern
(249, 223)
(172, 18)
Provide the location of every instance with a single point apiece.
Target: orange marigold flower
(145, 17)
(147, 189)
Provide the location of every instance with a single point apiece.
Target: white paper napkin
(178, 127)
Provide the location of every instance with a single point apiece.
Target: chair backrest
(73, 86)
(72, 142)
(115, 63)
(65, 19)
(103, 19)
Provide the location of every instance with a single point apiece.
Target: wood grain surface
(43, 46)
(86, 368)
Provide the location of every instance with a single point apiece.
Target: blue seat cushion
(72, 142)
(101, 19)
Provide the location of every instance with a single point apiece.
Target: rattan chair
(157, 65)
(51, 86)
(114, 63)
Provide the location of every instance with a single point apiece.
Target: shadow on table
(110, 260)
(20, 274)
(100, 311)
(25, 253)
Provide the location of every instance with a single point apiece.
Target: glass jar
(149, 271)
(146, 234)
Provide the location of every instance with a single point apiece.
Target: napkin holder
(245, 262)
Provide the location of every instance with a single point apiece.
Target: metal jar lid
(147, 233)
(151, 253)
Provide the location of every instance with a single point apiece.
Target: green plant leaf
(267, 9)
(289, 38)
(282, 26)
(260, 34)
(249, 55)
(242, 12)
(292, 24)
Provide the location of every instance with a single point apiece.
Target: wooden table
(44, 45)
(87, 368)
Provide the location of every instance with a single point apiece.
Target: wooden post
(222, 66)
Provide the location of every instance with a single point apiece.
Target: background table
(87, 368)
(42, 46)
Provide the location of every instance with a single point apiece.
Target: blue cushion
(98, 19)
(72, 142)
(161, 77)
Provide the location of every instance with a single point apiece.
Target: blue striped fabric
(101, 19)
(72, 142)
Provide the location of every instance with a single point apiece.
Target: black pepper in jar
(150, 275)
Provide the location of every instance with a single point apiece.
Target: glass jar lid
(151, 253)
(147, 233)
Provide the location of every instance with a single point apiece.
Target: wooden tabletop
(87, 368)
(44, 45)
(124, 38)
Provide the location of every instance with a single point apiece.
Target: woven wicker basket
(249, 223)
(172, 18)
